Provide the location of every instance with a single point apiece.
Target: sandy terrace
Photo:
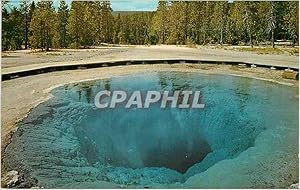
(22, 94)
(24, 60)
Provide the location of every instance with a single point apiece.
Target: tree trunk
(273, 41)
(250, 38)
(26, 30)
(186, 23)
(221, 40)
(272, 24)
(47, 41)
(163, 42)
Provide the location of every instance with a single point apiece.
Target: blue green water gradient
(246, 136)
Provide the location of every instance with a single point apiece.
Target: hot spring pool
(246, 136)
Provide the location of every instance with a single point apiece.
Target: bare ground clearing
(25, 59)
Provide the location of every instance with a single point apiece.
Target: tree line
(89, 23)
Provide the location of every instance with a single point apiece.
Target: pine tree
(235, 24)
(249, 16)
(160, 22)
(75, 25)
(271, 22)
(107, 21)
(124, 33)
(291, 20)
(30, 15)
(98, 23)
(117, 29)
(90, 15)
(12, 29)
(43, 25)
(206, 21)
(219, 20)
(194, 22)
(25, 5)
(63, 14)
(177, 23)
(5, 27)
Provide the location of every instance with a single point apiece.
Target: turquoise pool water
(246, 136)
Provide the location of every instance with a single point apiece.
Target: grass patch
(261, 50)
(191, 45)
(292, 51)
(54, 54)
